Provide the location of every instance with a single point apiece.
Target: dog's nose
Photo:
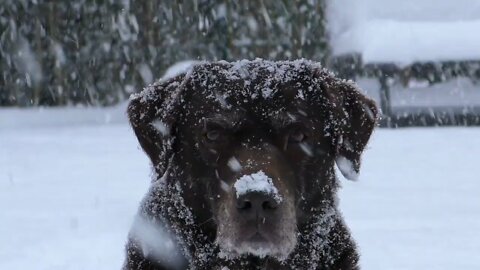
(256, 202)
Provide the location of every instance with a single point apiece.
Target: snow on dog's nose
(257, 182)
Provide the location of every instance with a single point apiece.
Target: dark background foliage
(97, 52)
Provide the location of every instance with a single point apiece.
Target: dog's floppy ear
(152, 114)
(355, 117)
(360, 117)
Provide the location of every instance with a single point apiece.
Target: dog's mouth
(257, 237)
(259, 244)
(256, 245)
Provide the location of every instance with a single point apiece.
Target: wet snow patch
(347, 168)
(155, 241)
(234, 164)
(163, 128)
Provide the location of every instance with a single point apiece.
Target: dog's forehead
(259, 87)
(254, 79)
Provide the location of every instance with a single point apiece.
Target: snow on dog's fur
(243, 155)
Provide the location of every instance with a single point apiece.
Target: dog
(243, 157)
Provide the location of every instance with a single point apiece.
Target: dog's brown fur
(290, 119)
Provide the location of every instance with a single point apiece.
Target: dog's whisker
(205, 222)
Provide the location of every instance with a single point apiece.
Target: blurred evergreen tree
(99, 51)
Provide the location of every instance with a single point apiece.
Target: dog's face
(253, 188)
(258, 142)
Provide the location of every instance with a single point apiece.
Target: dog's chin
(256, 246)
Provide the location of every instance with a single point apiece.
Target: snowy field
(68, 194)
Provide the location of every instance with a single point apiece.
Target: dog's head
(256, 143)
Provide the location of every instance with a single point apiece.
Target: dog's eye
(213, 135)
(297, 136)
(215, 132)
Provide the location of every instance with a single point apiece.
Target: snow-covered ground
(69, 192)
